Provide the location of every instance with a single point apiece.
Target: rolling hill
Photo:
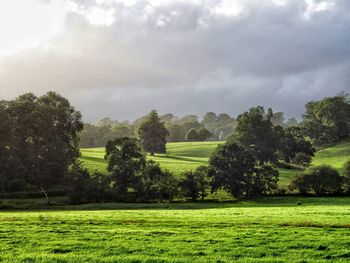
(185, 156)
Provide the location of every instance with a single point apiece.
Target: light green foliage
(269, 230)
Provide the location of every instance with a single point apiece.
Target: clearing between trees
(184, 156)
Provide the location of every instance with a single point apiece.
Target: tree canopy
(152, 133)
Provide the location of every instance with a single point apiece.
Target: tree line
(40, 149)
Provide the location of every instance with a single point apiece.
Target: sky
(123, 58)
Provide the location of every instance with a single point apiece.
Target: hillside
(180, 157)
(188, 155)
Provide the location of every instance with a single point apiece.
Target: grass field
(188, 155)
(268, 230)
(180, 156)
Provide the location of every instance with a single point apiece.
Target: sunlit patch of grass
(186, 156)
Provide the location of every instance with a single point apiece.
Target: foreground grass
(269, 230)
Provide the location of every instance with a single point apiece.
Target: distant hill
(185, 156)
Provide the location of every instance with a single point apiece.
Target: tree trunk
(48, 201)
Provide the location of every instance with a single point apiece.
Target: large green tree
(234, 169)
(44, 137)
(255, 132)
(328, 120)
(125, 162)
(152, 133)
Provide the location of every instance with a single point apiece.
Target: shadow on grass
(95, 159)
(184, 159)
(270, 202)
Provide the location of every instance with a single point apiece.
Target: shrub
(194, 184)
(84, 188)
(300, 182)
(323, 180)
(302, 159)
(155, 184)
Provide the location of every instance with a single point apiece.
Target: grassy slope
(188, 155)
(180, 157)
(269, 230)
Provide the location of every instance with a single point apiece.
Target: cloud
(189, 56)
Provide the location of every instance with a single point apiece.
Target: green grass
(335, 156)
(180, 157)
(185, 156)
(268, 230)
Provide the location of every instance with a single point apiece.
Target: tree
(235, 169)
(192, 135)
(255, 132)
(277, 119)
(209, 117)
(45, 137)
(300, 182)
(155, 184)
(293, 143)
(125, 162)
(153, 133)
(176, 133)
(323, 180)
(195, 184)
(328, 120)
(302, 159)
(203, 134)
(83, 187)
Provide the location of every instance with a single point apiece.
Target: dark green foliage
(194, 185)
(235, 169)
(301, 183)
(255, 132)
(154, 184)
(293, 143)
(132, 178)
(328, 120)
(41, 135)
(302, 159)
(325, 180)
(203, 134)
(176, 133)
(125, 162)
(84, 188)
(192, 135)
(152, 133)
(322, 180)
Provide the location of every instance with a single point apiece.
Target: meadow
(275, 229)
(267, 230)
(186, 156)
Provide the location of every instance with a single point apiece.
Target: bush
(154, 184)
(302, 159)
(300, 182)
(84, 188)
(194, 184)
(323, 180)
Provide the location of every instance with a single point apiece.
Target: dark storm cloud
(191, 57)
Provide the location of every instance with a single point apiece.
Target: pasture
(185, 156)
(266, 230)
